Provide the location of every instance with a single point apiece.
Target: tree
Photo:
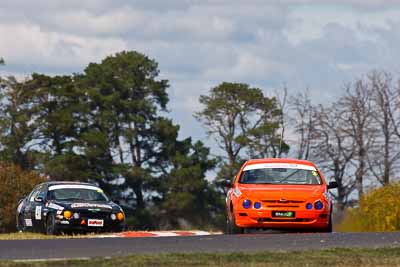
(356, 105)
(236, 115)
(125, 99)
(333, 149)
(303, 122)
(267, 140)
(14, 185)
(58, 109)
(384, 155)
(2, 61)
(183, 188)
(16, 128)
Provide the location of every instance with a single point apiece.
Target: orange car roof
(280, 160)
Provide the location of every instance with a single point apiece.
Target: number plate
(283, 214)
(95, 223)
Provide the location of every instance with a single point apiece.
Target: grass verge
(331, 257)
(28, 235)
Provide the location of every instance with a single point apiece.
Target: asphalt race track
(104, 247)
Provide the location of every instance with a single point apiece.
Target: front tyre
(20, 223)
(329, 227)
(232, 228)
(51, 226)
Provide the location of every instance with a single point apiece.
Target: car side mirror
(333, 185)
(39, 199)
(225, 183)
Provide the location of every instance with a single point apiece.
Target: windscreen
(280, 175)
(73, 194)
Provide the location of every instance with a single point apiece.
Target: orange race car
(279, 194)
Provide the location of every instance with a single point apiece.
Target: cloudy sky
(315, 44)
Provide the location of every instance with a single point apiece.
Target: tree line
(109, 125)
(355, 139)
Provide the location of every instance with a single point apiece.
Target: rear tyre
(51, 227)
(232, 228)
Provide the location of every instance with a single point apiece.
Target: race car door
(29, 205)
(35, 207)
(37, 211)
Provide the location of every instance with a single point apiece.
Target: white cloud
(31, 45)
(200, 43)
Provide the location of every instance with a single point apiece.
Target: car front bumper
(264, 219)
(82, 225)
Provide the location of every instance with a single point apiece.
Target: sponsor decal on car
(327, 195)
(28, 222)
(55, 206)
(75, 186)
(279, 166)
(237, 192)
(90, 205)
(95, 223)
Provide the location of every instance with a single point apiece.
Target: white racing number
(38, 212)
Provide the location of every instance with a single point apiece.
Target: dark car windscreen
(280, 176)
(66, 194)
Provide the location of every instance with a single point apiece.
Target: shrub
(14, 185)
(379, 210)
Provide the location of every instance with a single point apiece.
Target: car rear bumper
(264, 219)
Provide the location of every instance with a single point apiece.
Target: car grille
(94, 214)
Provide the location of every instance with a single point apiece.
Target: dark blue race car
(55, 207)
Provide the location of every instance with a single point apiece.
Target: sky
(300, 44)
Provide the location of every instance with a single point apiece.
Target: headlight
(309, 206)
(67, 214)
(76, 215)
(246, 204)
(257, 205)
(113, 217)
(120, 216)
(318, 205)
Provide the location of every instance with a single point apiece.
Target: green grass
(326, 258)
(27, 235)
